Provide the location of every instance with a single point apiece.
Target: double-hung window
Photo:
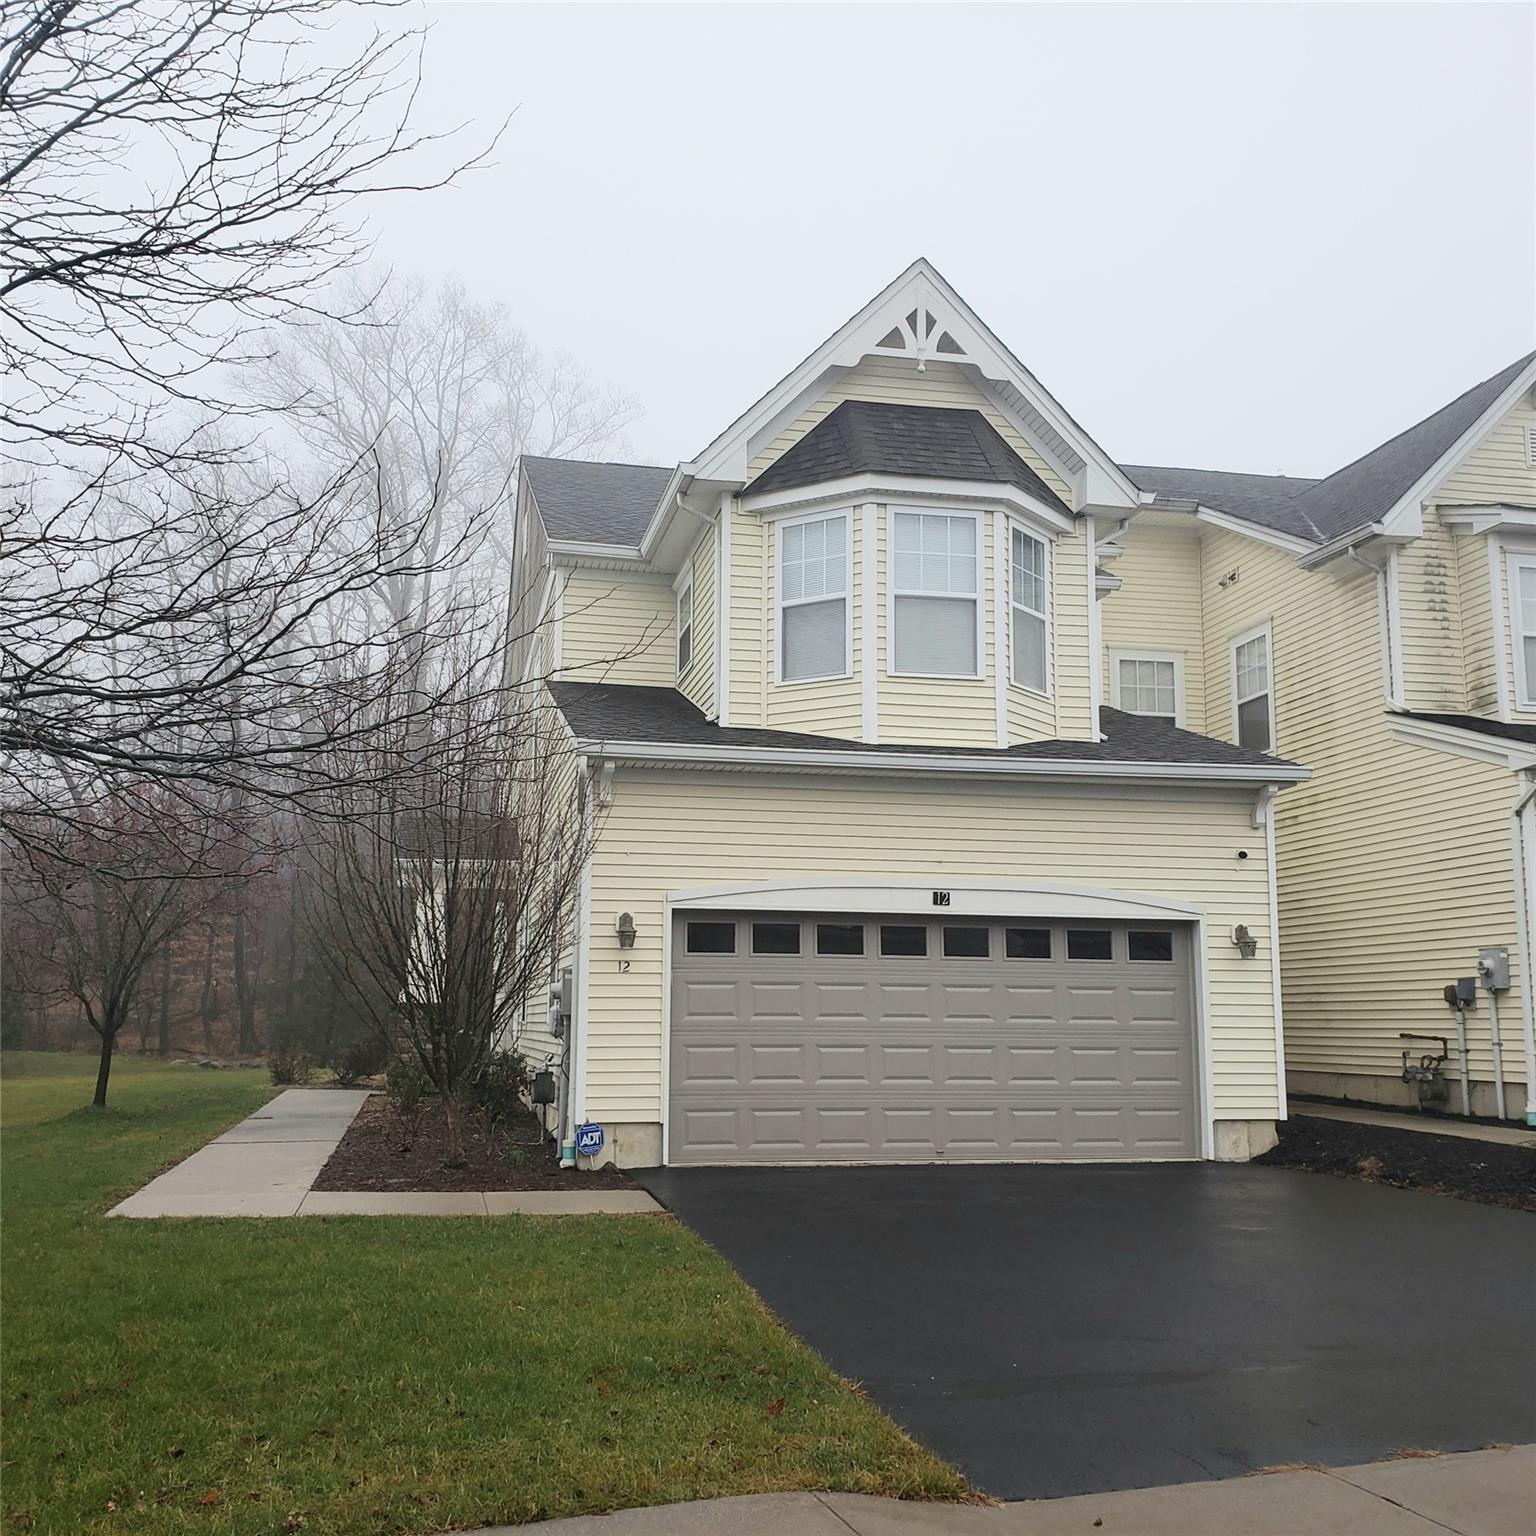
(813, 599)
(1148, 683)
(935, 592)
(685, 624)
(1522, 613)
(1253, 700)
(1029, 591)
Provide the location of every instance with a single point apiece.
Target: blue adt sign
(589, 1139)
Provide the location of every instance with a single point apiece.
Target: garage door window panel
(935, 615)
(1027, 943)
(962, 942)
(1149, 944)
(711, 938)
(815, 634)
(1090, 944)
(839, 938)
(775, 938)
(907, 940)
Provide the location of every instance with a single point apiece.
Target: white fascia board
(1256, 531)
(1495, 518)
(1459, 742)
(800, 760)
(1355, 538)
(887, 488)
(1406, 512)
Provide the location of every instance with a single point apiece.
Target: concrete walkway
(267, 1166)
(1480, 1493)
(1508, 1135)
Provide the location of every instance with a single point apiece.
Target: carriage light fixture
(1247, 945)
(624, 926)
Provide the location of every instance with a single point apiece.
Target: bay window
(1522, 613)
(1029, 593)
(935, 584)
(813, 599)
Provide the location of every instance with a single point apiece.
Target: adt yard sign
(589, 1139)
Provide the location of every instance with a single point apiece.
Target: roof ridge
(554, 458)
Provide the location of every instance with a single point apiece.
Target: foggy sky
(1230, 236)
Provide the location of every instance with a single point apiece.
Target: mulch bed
(382, 1152)
(1485, 1171)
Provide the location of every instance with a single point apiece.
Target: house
(879, 871)
(1380, 626)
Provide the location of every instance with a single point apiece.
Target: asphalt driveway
(1056, 1330)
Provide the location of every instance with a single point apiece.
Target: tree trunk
(103, 1071)
(245, 994)
(451, 1112)
(165, 1001)
(205, 1002)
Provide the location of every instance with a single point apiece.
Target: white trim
(628, 553)
(1095, 638)
(776, 565)
(557, 618)
(1523, 834)
(946, 493)
(1119, 653)
(1244, 637)
(683, 588)
(1459, 741)
(1516, 561)
(1405, 513)
(901, 764)
(1497, 601)
(1355, 539)
(1496, 517)
(723, 612)
(1270, 536)
(1006, 597)
(1266, 808)
(1002, 632)
(582, 961)
(869, 627)
(913, 894)
(1396, 680)
(978, 519)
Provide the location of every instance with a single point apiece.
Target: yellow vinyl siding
(751, 656)
(665, 833)
(1478, 645)
(1394, 861)
(1429, 620)
(1158, 607)
(698, 682)
(898, 382)
(1498, 469)
(617, 629)
(1072, 591)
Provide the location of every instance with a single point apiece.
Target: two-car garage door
(832, 1038)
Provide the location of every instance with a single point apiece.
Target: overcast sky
(1260, 237)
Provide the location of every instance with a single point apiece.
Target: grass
(373, 1374)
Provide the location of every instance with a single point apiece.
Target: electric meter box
(1493, 968)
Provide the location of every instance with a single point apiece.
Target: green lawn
(373, 1374)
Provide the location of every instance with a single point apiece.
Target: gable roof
(617, 712)
(1268, 500)
(595, 503)
(923, 441)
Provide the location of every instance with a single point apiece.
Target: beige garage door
(818, 1038)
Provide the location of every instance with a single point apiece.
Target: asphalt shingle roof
(1508, 730)
(922, 441)
(1268, 500)
(603, 503)
(623, 712)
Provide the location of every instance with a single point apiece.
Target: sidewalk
(1432, 1125)
(1479, 1493)
(267, 1166)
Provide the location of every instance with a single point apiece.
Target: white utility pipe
(1498, 1054)
(1461, 1051)
(1523, 838)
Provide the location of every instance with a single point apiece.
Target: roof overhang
(918, 764)
(1496, 518)
(1357, 540)
(878, 487)
(1478, 746)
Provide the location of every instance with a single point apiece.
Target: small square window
(1149, 944)
(775, 938)
(1089, 944)
(1028, 943)
(966, 943)
(903, 939)
(839, 938)
(711, 938)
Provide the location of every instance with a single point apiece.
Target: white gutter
(1348, 542)
(1523, 849)
(954, 765)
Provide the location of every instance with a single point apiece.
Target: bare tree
(106, 930)
(441, 903)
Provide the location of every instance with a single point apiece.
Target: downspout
(1523, 847)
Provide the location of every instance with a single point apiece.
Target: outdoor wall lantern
(624, 926)
(1247, 945)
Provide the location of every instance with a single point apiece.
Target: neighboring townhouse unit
(879, 871)
(1380, 626)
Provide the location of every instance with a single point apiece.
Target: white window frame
(1525, 686)
(845, 515)
(977, 517)
(684, 590)
(1010, 524)
(1117, 654)
(1266, 630)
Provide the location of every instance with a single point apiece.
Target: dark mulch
(1486, 1171)
(379, 1151)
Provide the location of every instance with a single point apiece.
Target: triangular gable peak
(920, 318)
